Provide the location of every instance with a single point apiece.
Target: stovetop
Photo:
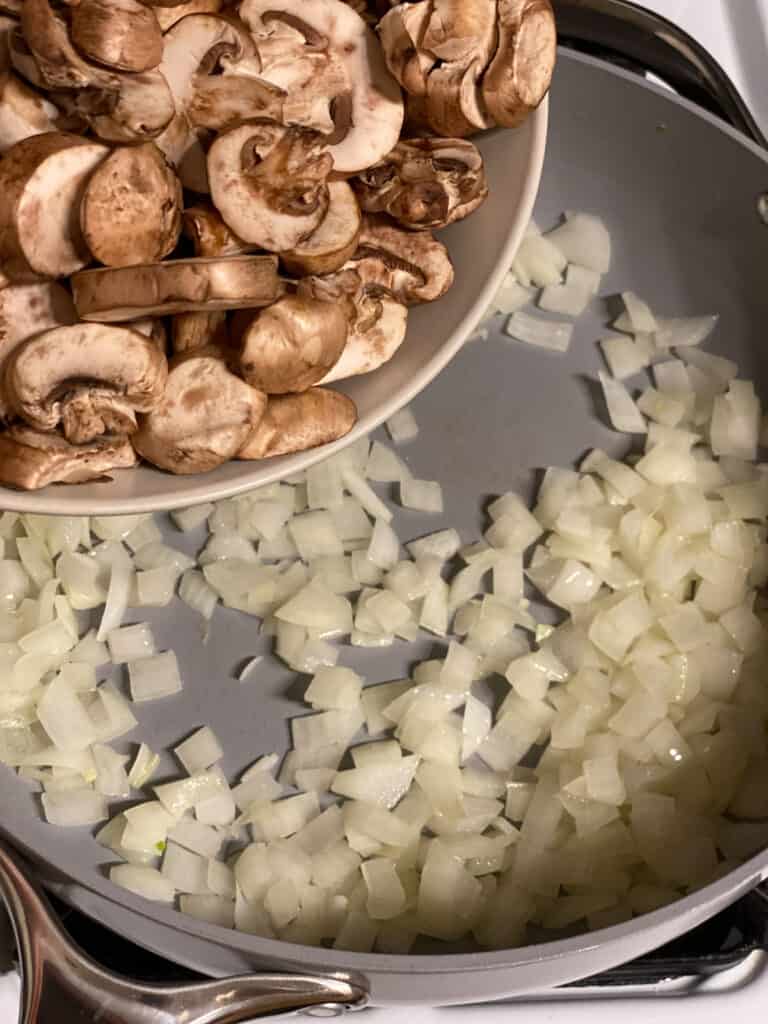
(720, 967)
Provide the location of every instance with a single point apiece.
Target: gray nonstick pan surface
(679, 191)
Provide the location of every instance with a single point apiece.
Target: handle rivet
(762, 207)
(325, 1010)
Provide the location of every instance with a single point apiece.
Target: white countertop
(736, 31)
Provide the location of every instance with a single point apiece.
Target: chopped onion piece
(199, 751)
(402, 426)
(538, 262)
(550, 334)
(639, 313)
(583, 239)
(367, 497)
(510, 297)
(566, 299)
(624, 356)
(154, 677)
(118, 595)
(623, 412)
(422, 495)
(684, 331)
(74, 807)
(194, 591)
(143, 881)
(131, 643)
(144, 766)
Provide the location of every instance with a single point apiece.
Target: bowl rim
(201, 488)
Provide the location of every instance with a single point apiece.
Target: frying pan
(682, 193)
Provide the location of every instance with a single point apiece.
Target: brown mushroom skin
(296, 423)
(209, 235)
(191, 332)
(121, 34)
(292, 344)
(334, 241)
(31, 459)
(520, 74)
(425, 183)
(131, 210)
(205, 417)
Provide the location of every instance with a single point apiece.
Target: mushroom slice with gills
(520, 74)
(296, 423)
(27, 310)
(23, 112)
(334, 241)
(364, 102)
(42, 180)
(425, 183)
(199, 44)
(7, 28)
(60, 66)
(90, 378)
(205, 417)
(191, 332)
(378, 322)
(221, 102)
(131, 210)
(209, 235)
(119, 294)
(293, 344)
(270, 184)
(168, 16)
(122, 34)
(31, 459)
(411, 265)
(138, 108)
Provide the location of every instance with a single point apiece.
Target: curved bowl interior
(481, 247)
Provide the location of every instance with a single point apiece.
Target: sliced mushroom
(295, 423)
(362, 99)
(219, 102)
(293, 344)
(31, 459)
(42, 180)
(401, 32)
(191, 332)
(520, 73)
(58, 63)
(89, 378)
(23, 112)
(139, 107)
(270, 183)
(122, 34)
(195, 46)
(121, 294)
(25, 311)
(131, 210)
(205, 417)
(425, 183)
(7, 27)
(411, 265)
(335, 240)
(209, 235)
(378, 321)
(168, 16)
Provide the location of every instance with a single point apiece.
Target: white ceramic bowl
(481, 247)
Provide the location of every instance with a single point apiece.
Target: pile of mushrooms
(211, 210)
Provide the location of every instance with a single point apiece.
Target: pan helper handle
(61, 985)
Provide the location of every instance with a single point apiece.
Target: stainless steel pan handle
(641, 40)
(61, 985)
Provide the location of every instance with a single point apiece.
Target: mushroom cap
(140, 107)
(27, 310)
(122, 34)
(425, 183)
(295, 423)
(270, 183)
(209, 235)
(335, 239)
(292, 344)
(411, 265)
(191, 332)
(30, 459)
(118, 294)
(23, 112)
(131, 210)
(203, 419)
(521, 72)
(374, 105)
(44, 371)
(59, 65)
(45, 173)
